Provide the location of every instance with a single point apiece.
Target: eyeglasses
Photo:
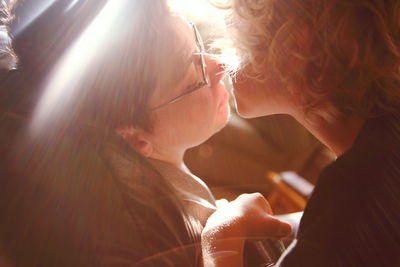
(204, 82)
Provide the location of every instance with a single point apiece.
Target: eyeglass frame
(200, 45)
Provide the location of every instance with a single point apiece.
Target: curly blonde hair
(345, 53)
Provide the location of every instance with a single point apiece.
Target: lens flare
(71, 68)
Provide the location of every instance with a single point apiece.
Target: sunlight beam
(71, 68)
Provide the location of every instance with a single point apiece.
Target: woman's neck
(338, 135)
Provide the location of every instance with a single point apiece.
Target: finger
(256, 199)
(221, 202)
(263, 202)
(270, 227)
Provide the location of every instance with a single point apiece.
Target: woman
(333, 66)
(122, 76)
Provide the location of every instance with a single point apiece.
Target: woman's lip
(237, 88)
(235, 92)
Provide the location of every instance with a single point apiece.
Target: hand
(221, 202)
(247, 217)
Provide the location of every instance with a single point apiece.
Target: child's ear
(137, 138)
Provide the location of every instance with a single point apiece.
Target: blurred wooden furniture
(290, 192)
(236, 159)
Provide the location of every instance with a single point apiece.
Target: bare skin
(248, 216)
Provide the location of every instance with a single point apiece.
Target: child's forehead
(180, 46)
(176, 58)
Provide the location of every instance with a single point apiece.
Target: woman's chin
(242, 111)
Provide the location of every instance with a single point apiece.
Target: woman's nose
(214, 69)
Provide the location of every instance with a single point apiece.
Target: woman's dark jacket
(353, 216)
